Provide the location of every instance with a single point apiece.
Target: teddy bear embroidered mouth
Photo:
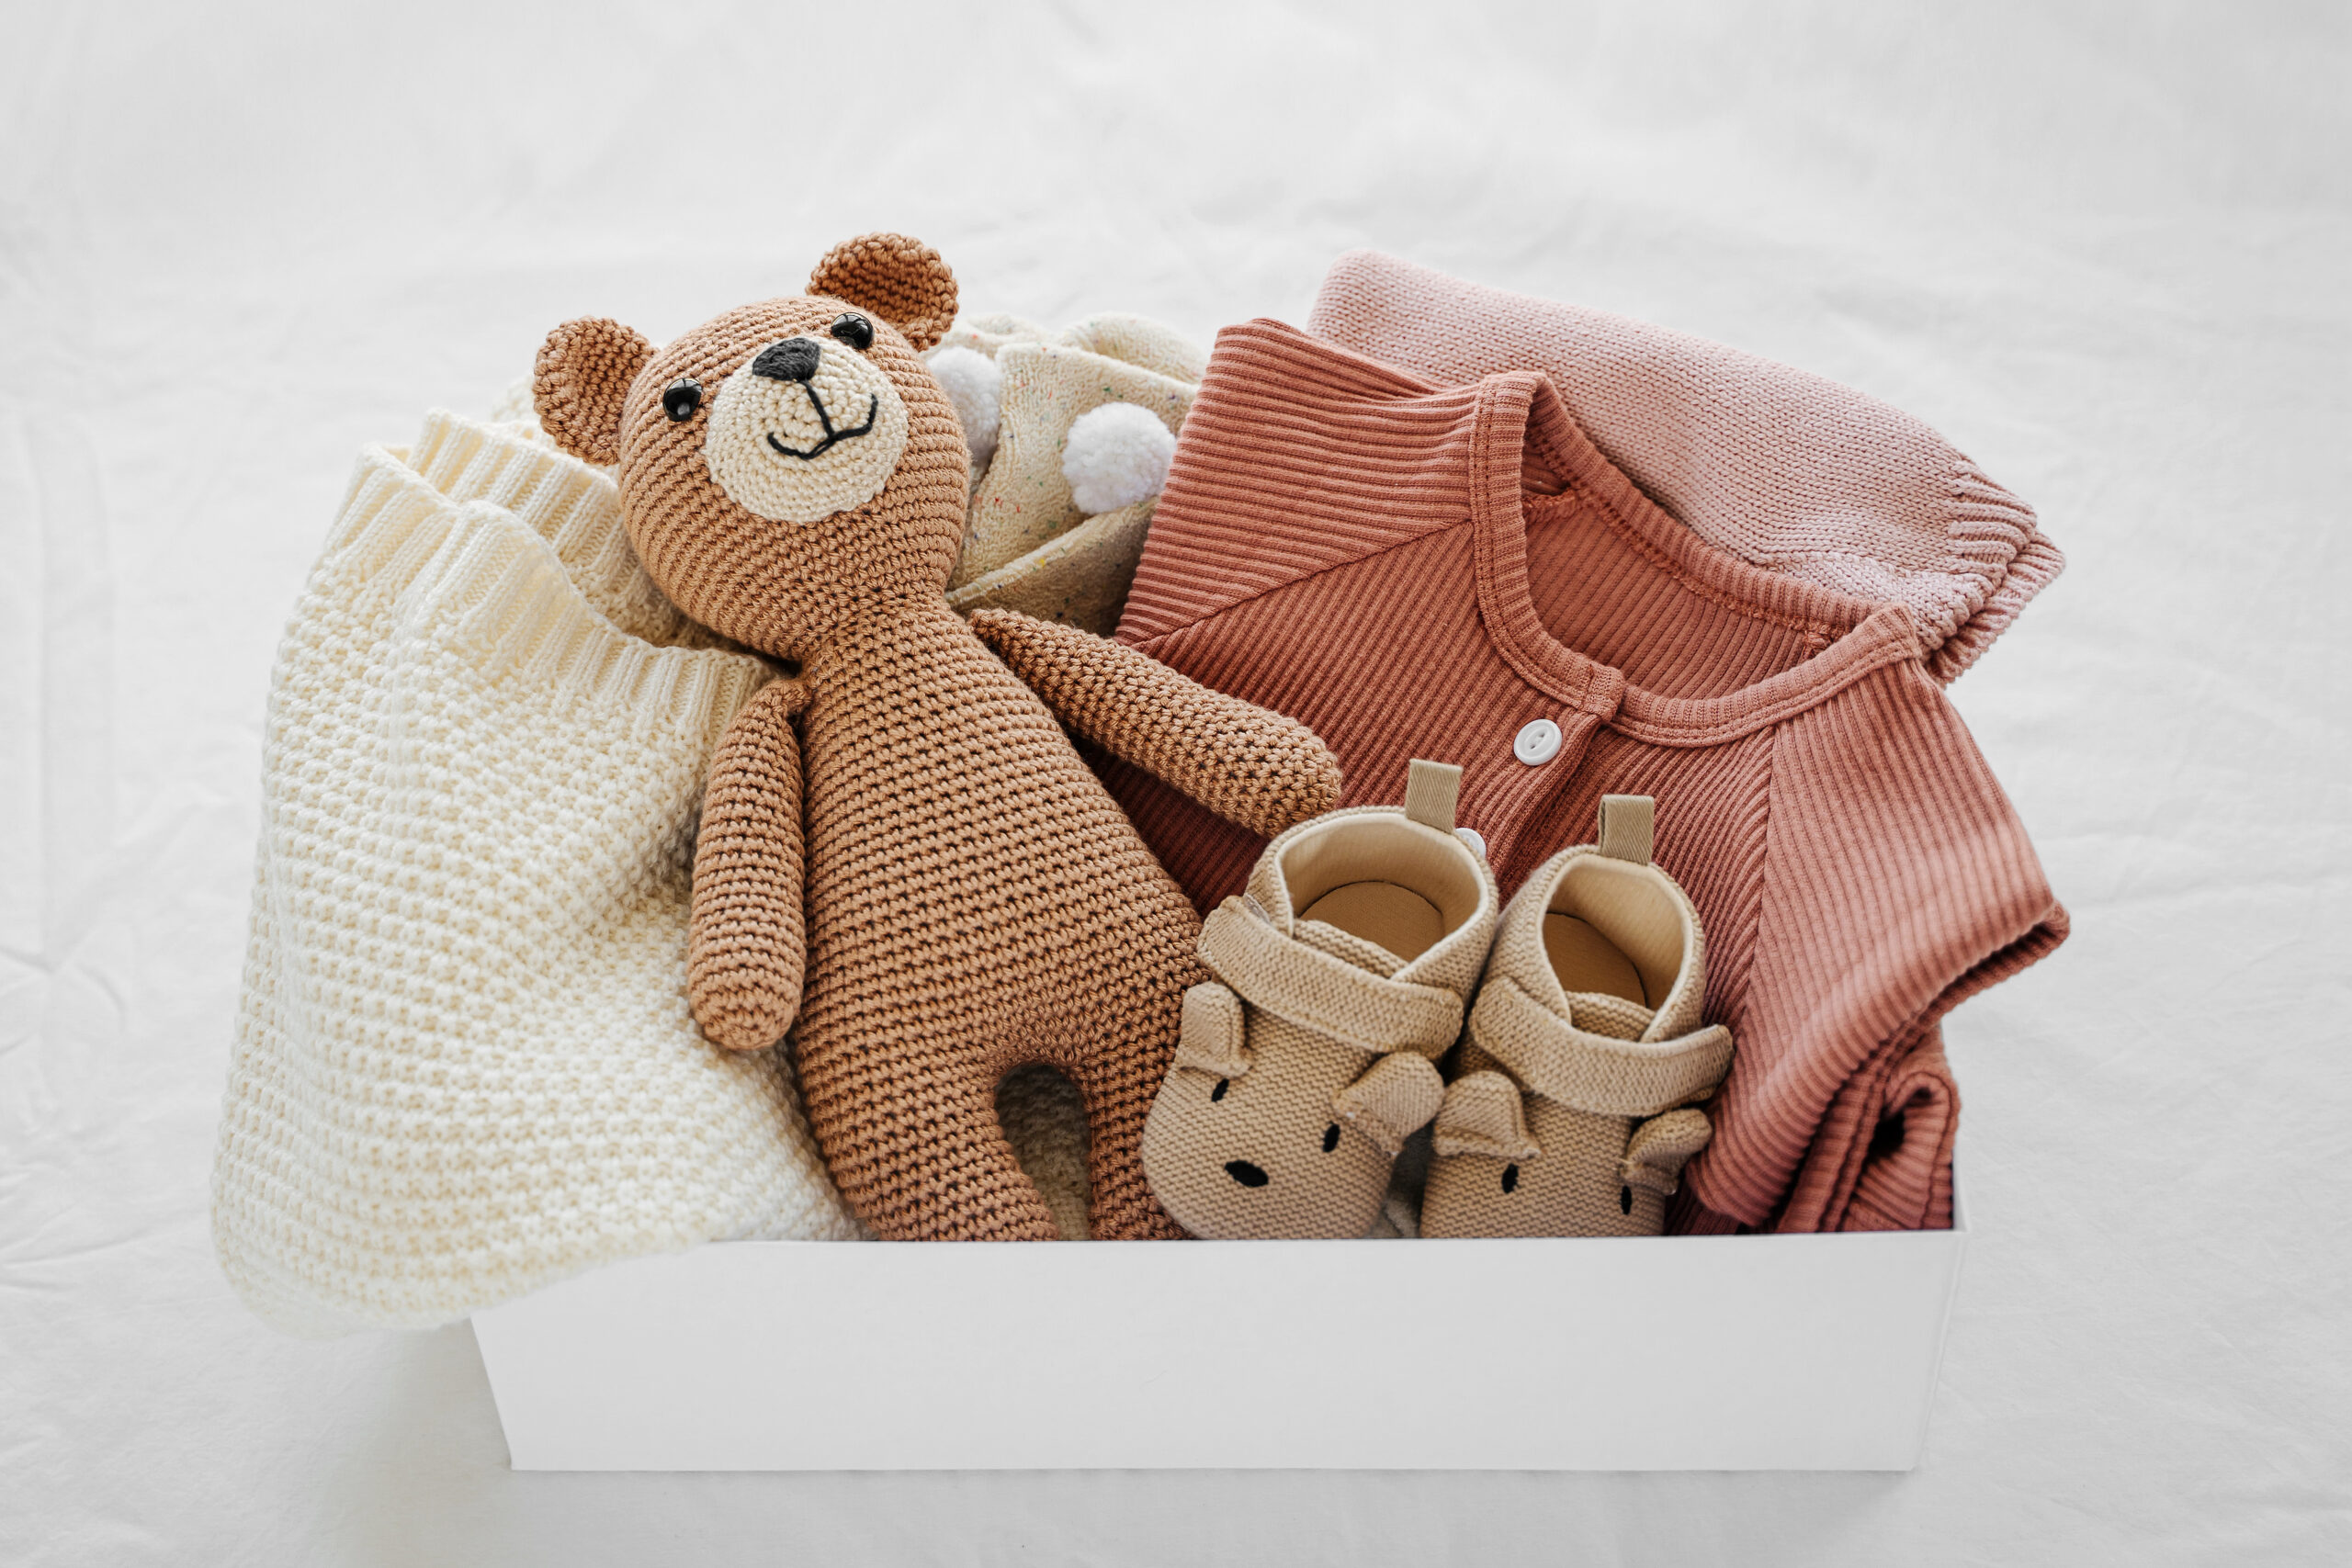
(832, 436)
(780, 441)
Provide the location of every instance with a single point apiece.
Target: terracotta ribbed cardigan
(1783, 469)
(1418, 571)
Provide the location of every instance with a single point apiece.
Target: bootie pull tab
(1626, 821)
(1431, 791)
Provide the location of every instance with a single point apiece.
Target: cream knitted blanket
(464, 1065)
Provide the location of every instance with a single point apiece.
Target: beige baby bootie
(1071, 433)
(1340, 978)
(1584, 1042)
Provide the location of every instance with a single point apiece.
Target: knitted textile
(464, 1065)
(1308, 1061)
(1028, 544)
(1415, 570)
(1079, 578)
(904, 281)
(1564, 1119)
(1789, 472)
(598, 362)
(974, 901)
(1043, 1118)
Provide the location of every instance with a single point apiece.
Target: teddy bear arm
(1250, 765)
(746, 945)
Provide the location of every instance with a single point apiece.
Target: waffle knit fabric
(464, 1066)
(1422, 570)
(903, 856)
(1783, 469)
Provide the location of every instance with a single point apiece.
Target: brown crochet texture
(904, 281)
(744, 967)
(579, 382)
(1222, 751)
(973, 900)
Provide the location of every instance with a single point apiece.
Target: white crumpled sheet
(2104, 248)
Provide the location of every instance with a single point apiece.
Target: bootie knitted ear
(1393, 1100)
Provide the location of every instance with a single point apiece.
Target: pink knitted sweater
(1417, 571)
(1789, 472)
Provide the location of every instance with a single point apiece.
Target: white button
(1538, 742)
(1472, 837)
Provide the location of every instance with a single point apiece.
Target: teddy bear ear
(899, 279)
(581, 381)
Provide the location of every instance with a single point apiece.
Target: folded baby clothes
(1416, 570)
(1788, 470)
(464, 1065)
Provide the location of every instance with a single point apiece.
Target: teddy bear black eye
(853, 330)
(1510, 1178)
(1330, 1137)
(680, 398)
(1218, 1092)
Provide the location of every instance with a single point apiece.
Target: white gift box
(1754, 1352)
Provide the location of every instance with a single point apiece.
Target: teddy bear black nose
(794, 359)
(1248, 1175)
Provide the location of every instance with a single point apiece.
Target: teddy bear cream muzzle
(805, 428)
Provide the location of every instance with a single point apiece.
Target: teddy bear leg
(933, 1166)
(1118, 1078)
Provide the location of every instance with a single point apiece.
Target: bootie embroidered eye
(1586, 1052)
(1340, 978)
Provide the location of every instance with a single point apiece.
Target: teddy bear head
(788, 466)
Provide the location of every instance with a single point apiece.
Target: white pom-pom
(974, 387)
(1116, 456)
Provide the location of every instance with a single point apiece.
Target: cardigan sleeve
(1897, 881)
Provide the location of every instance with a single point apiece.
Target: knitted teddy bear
(793, 477)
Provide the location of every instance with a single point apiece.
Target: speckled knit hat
(1030, 544)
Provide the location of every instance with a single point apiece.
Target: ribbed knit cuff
(576, 509)
(2029, 571)
(516, 598)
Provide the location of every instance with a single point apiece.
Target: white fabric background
(2104, 248)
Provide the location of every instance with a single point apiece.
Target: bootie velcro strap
(1317, 991)
(1592, 1072)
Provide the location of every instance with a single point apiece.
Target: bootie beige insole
(1587, 961)
(1396, 917)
